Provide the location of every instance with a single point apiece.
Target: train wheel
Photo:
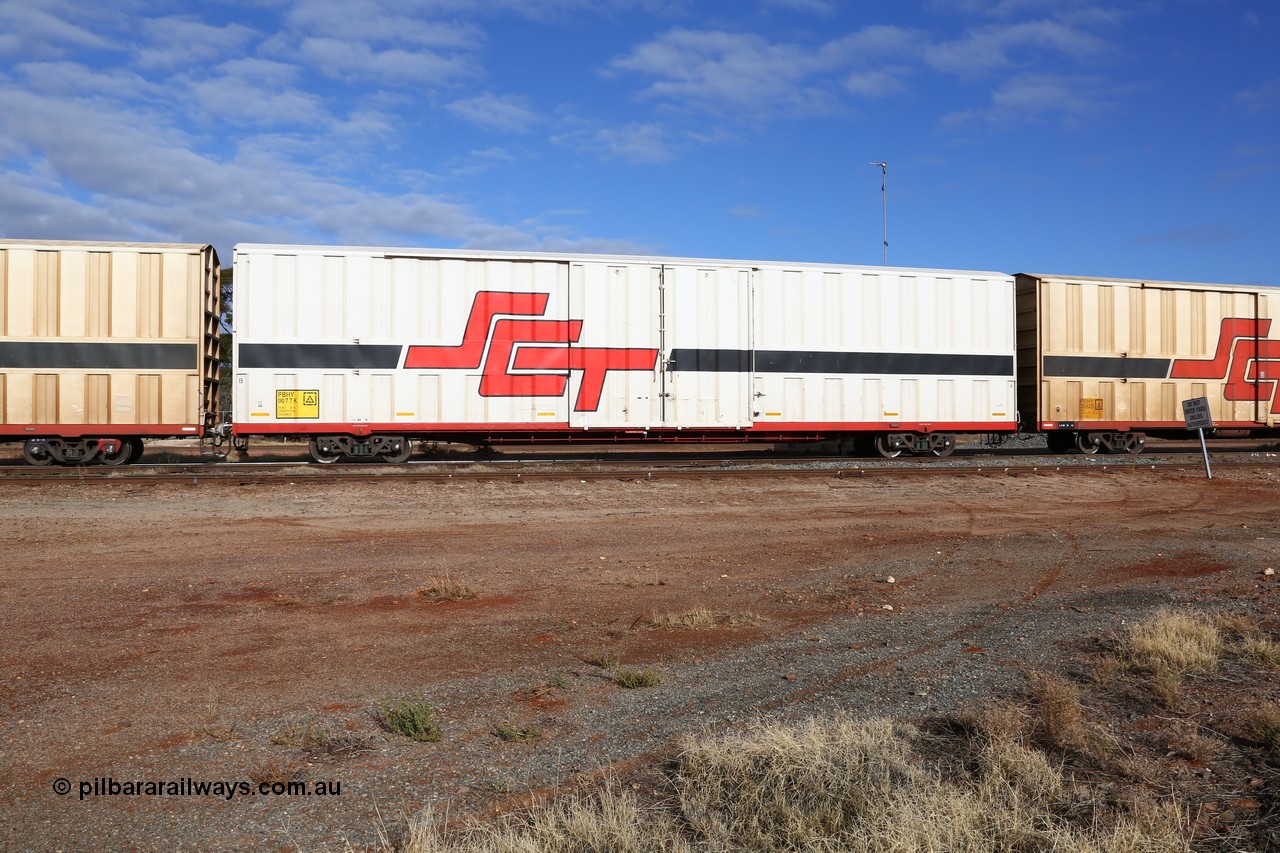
(323, 455)
(122, 455)
(398, 456)
(138, 447)
(1134, 442)
(1087, 443)
(942, 443)
(36, 453)
(885, 449)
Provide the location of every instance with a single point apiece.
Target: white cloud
(496, 112)
(1035, 98)
(45, 28)
(1261, 98)
(100, 169)
(992, 48)
(737, 72)
(342, 59)
(72, 78)
(635, 143)
(880, 83)
(375, 22)
(258, 92)
(816, 7)
(184, 42)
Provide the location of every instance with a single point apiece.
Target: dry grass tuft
(415, 720)
(703, 619)
(511, 734)
(1186, 740)
(698, 619)
(1247, 640)
(1260, 651)
(1060, 716)
(1172, 641)
(1169, 646)
(308, 734)
(277, 772)
(827, 785)
(603, 658)
(445, 588)
(1264, 723)
(632, 677)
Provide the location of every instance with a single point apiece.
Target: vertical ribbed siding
(98, 295)
(46, 294)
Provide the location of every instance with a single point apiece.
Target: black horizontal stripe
(1106, 366)
(319, 356)
(87, 355)
(710, 360)
(800, 361)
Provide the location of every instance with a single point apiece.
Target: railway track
(525, 469)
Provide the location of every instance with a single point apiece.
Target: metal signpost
(1196, 411)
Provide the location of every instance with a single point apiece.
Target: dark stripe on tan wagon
(1106, 366)
(87, 355)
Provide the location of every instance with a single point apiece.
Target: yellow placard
(1090, 408)
(298, 405)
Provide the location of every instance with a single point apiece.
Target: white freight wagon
(105, 344)
(364, 350)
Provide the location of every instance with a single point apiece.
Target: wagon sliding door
(707, 340)
(616, 375)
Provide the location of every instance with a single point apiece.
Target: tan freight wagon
(1104, 363)
(105, 344)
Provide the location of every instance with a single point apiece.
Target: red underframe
(21, 432)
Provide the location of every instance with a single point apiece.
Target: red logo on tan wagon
(505, 343)
(1242, 359)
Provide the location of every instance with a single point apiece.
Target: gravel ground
(162, 632)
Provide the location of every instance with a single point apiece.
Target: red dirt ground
(160, 633)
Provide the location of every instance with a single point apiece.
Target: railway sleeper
(82, 451)
(327, 449)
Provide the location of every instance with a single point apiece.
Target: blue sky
(1131, 138)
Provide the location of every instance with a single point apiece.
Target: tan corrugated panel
(148, 399)
(19, 397)
(45, 399)
(124, 295)
(110, 293)
(98, 295)
(1114, 320)
(70, 398)
(47, 265)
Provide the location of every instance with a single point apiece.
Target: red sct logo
(500, 333)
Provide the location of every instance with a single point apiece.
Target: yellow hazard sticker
(1090, 408)
(298, 405)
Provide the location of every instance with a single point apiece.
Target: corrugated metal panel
(1143, 347)
(617, 342)
(88, 314)
(916, 325)
(620, 307)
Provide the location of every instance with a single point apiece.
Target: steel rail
(526, 471)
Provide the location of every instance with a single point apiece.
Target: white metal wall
(883, 311)
(616, 342)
